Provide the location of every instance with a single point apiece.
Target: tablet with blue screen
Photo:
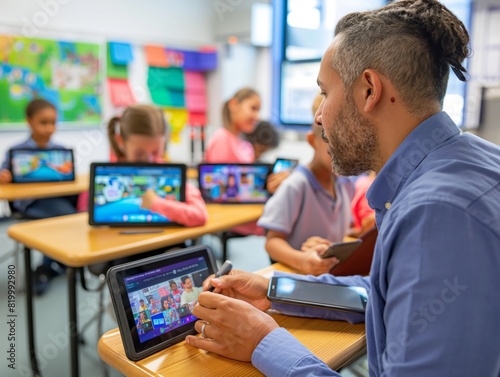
(42, 165)
(154, 298)
(116, 191)
(234, 183)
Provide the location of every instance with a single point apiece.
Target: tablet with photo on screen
(234, 183)
(153, 298)
(116, 191)
(42, 165)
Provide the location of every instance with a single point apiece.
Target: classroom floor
(51, 312)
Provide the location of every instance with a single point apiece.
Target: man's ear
(371, 88)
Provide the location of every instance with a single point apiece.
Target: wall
(485, 67)
(153, 21)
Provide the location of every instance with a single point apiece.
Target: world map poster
(68, 74)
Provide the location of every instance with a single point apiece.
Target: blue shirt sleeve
(280, 354)
(432, 284)
(305, 311)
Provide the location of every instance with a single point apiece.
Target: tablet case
(55, 171)
(122, 311)
(209, 198)
(359, 263)
(91, 204)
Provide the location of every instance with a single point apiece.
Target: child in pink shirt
(139, 135)
(239, 115)
(363, 216)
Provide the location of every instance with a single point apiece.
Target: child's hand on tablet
(5, 176)
(314, 241)
(148, 199)
(313, 264)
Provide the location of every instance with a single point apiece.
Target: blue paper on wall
(200, 61)
(121, 53)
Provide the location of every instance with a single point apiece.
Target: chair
(359, 263)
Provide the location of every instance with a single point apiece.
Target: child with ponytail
(140, 135)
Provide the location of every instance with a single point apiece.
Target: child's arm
(5, 176)
(307, 262)
(193, 212)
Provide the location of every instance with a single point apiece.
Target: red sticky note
(197, 119)
(120, 93)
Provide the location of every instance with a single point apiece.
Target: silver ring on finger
(203, 329)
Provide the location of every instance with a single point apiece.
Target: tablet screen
(283, 164)
(234, 183)
(154, 298)
(42, 165)
(161, 300)
(117, 190)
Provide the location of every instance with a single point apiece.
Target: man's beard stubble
(352, 141)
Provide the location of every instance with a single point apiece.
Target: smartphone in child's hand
(342, 250)
(282, 164)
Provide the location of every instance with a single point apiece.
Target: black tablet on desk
(42, 165)
(116, 191)
(148, 295)
(234, 183)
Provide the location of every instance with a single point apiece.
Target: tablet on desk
(116, 191)
(152, 310)
(234, 183)
(42, 165)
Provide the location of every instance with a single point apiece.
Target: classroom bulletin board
(68, 74)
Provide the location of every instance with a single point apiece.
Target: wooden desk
(334, 342)
(17, 191)
(71, 241)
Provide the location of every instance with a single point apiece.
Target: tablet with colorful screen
(116, 191)
(234, 183)
(42, 165)
(154, 297)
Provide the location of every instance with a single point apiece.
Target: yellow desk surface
(16, 191)
(71, 241)
(336, 343)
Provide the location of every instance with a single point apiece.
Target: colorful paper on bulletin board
(197, 119)
(120, 93)
(115, 71)
(156, 56)
(65, 73)
(171, 78)
(195, 82)
(168, 98)
(196, 102)
(177, 118)
(121, 53)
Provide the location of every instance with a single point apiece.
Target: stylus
(223, 270)
(143, 231)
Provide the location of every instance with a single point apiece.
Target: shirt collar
(425, 138)
(31, 143)
(312, 179)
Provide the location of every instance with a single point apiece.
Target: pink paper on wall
(196, 102)
(120, 92)
(195, 82)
